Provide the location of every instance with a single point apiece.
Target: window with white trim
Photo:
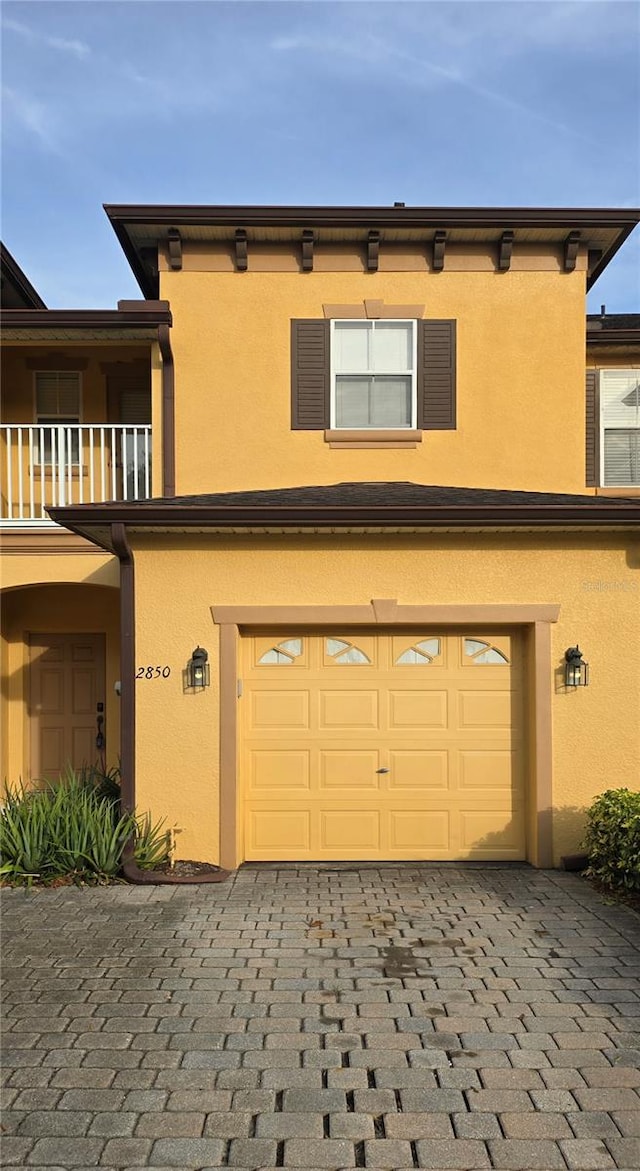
(57, 404)
(620, 427)
(373, 375)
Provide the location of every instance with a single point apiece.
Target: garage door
(362, 745)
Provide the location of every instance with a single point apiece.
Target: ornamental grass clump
(73, 830)
(612, 839)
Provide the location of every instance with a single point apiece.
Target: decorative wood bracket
(242, 261)
(571, 245)
(373, 250)
(175, 249)
(439, 244)
(307, 249)
(506, 247)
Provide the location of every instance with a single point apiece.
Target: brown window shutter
(592, 461)
(310, 367)
(437, 375)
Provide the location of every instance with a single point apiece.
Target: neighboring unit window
(57, 405)
(620, 424)
(373, 366)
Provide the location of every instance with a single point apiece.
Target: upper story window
(57, 404)
(620, 427)
(373, 374)
(373, 366)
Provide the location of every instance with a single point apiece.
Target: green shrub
(612, 839)
(73, 829)
(151, 845)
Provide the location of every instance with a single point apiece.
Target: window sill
(633, 490)
(373, 439)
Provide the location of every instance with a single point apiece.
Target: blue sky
(462, 102)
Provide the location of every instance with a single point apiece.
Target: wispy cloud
(423, 73)
(31, 115)
(76, 48)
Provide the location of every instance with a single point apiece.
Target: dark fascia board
(603, 511)
(12, 272)
(123, 216)
(613, 337)
(147, 314)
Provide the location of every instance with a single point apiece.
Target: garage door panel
(419, 830)
(350, 830)
(417, 709)
(348, 709)
(283, 831)
(488, 769)
(275, 769)
(279, 709)
(495, 832)
(417, 769)
(485, 709)
(348, 768)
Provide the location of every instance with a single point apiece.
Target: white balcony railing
(47, 466)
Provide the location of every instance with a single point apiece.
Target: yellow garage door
(361, 745)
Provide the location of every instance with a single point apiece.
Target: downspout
(168, 413)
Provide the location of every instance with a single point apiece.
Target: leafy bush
(73, 829)
(612, 839)
(151, 844)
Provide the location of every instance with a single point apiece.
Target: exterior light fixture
(576, 671)
(198, 674)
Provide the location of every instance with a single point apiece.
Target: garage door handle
(382, 770)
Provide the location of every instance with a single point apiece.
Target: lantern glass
(198, 673)
(576, 671)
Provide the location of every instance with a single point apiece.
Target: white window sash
(372, 373)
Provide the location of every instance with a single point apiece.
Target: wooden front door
(67, 685)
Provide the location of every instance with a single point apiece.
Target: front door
(67, 702)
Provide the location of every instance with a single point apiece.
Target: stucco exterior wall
(520, 366)
(596, 730)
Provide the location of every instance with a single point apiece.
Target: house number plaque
(153, 672)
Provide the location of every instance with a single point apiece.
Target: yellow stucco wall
(86, 607)
(520, 364)
(596, 731)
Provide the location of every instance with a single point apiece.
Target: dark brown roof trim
(146, 313)
(123, 216)
(408, 217)
(613, 337)
(603, 511)
(16, 278)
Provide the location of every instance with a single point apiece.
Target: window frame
(602, 429)
(371, 323)
(62, 420)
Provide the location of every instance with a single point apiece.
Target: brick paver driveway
(324, 1017)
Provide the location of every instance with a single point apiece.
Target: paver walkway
(324, 1017)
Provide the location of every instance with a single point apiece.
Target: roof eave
(540, 516)
(87, 318)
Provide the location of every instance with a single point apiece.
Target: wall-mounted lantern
(576, 671)
(198, 674)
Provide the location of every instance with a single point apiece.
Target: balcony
(48, 466)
